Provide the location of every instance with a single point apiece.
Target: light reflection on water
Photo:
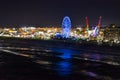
(67, 65)
(64, 67)
(66, 54)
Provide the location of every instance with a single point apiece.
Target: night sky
(51, 12)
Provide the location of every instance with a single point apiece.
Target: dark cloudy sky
(51, 12)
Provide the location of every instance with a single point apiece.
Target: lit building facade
(112, 34)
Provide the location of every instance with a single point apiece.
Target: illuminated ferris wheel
(66, 27)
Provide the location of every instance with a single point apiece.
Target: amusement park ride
(95, 31)
(97, 28)
(66, 28)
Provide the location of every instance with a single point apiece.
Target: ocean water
(27, 62)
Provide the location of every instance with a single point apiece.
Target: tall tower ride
(87, 25)
(96, 30)
(99, 22)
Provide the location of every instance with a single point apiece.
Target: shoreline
(88, 46)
